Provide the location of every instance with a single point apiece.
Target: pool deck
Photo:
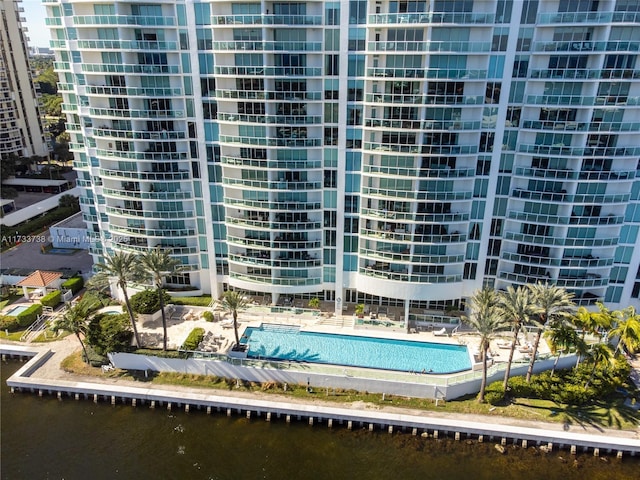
(178, 330)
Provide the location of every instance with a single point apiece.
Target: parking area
(29, 256)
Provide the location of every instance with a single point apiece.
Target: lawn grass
(13, 336)
(606, 413)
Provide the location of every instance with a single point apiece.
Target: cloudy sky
(38, 32)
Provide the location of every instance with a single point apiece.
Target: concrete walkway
(50, 371)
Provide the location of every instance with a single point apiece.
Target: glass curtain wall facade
(395, 152)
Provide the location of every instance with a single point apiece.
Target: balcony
(117, 20)
(278, 20)
(133, 91)
(270, 119)
(561, 242)
(118, 113)
(269, 71)
(130, 68)
(141, 175)
(432, 17)
(584, 73)
(548, 18)
(126, 45)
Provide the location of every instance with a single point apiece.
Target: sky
(38, 33)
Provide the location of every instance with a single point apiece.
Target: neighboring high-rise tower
(394, 152)
(21, 130)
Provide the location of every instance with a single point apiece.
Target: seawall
(252, 407)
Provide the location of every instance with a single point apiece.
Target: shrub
(74, 284)
(9, 323)
(109, 333)
(194, 339)
(518, 387)
(314, 303)
(147, 301)
(208, 316)
(52, 299)
(28, 316)
(494, 393)
(95, 359)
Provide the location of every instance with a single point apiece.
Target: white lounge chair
(440, 333)
(188, 316)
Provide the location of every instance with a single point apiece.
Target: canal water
(43, 438)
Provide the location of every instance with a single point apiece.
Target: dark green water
(43, 438)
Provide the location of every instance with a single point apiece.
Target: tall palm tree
(155, 265)
(551, 304)
(234, 302)
(122, 266)
(516, 305)
(485, 318)
(75, 320)
(627, 329)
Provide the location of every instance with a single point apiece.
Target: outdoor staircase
(339, 322)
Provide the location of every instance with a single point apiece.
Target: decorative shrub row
(28, 316)
(52, 299)
(203, 301)
(74, 284)
(194, 339)
(576, 386)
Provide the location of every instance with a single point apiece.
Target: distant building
(21, 131)
(393, 153)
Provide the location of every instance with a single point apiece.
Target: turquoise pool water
(283, 342)
(17, 310)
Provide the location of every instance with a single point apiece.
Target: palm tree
(122, 266)
(516, 305)
(233, 302)
(599, 353)
(627, 329)
(551, 303)
(561, 336)
(75, 321)
(591, 322)
(486, 319)
(155, 265)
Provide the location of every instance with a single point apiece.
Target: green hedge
(202, 301)
(52, 299)
(194, 339)
(30, 315)
(9, 323)
(74, 284)
(208, 316)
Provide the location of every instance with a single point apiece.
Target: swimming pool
(17, 310)
(284, 342)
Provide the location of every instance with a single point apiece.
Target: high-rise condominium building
(394, 152)
(21, 130)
